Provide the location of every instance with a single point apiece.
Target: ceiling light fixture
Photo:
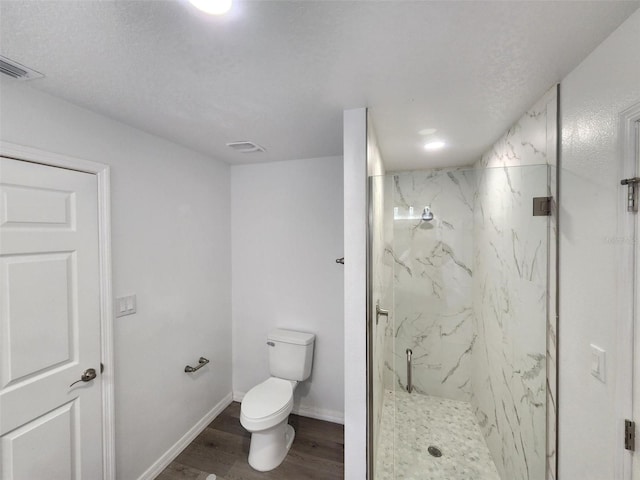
(212, 7)
(435, 145)
(427, 131)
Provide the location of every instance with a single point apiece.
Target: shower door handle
(409, 380)
(380, 312)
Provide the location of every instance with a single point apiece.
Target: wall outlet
(598, 362)
(125, 305)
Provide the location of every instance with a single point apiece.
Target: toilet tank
(290, 354)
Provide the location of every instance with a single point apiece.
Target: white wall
(287, 231)
(355, 293)
(592, 96)
(171, 244)
(361, 160)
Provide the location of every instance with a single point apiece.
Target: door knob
(88, 375)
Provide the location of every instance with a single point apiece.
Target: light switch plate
(598, 362)
(125, 305)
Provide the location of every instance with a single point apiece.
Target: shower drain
(434, 451)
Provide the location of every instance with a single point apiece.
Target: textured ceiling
(281, 73)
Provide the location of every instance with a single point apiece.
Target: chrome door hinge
(541, 206)
(630, 435)
(632, 193)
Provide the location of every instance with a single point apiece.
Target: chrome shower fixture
(427, 214)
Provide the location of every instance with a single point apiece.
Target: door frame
(102, 173)
(628, 305)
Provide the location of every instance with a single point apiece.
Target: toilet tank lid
(289, 336)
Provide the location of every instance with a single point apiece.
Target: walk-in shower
(462, 370)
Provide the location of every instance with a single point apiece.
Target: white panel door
(49, 324)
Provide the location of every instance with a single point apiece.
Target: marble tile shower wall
(515, 340)
(389, 288)
(509, 305)
(432, 268)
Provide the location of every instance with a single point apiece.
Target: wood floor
(222, 448)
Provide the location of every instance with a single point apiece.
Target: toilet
(266, 407)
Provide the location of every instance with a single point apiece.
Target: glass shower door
(380, 326)
(433, 279)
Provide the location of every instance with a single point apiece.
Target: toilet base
(270, 447)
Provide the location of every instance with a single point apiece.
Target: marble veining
(413, 422)
(432, 269)
(509, 369)
(515, 341)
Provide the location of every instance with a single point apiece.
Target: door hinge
(541, 206)
(630, 435)
(632, 193)
(102, 368)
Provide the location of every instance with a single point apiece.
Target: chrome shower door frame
(369, 328)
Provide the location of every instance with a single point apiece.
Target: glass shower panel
(381, 302)
(470, 274)
(511, 275)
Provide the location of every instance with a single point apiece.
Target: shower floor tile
(422, 421)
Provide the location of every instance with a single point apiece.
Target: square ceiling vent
(16, 70)
(245, 147)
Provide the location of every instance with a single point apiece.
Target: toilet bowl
(266, 407)
(264, 413)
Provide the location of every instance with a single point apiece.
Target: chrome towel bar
(202, 362)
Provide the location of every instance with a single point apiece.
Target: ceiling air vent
(245, 147)
(16, 70)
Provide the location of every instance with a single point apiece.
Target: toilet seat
(266, 404)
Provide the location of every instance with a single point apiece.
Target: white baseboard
(320, 414)
(305, 411)
(169, 456)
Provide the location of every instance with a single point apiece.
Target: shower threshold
(423, 421)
